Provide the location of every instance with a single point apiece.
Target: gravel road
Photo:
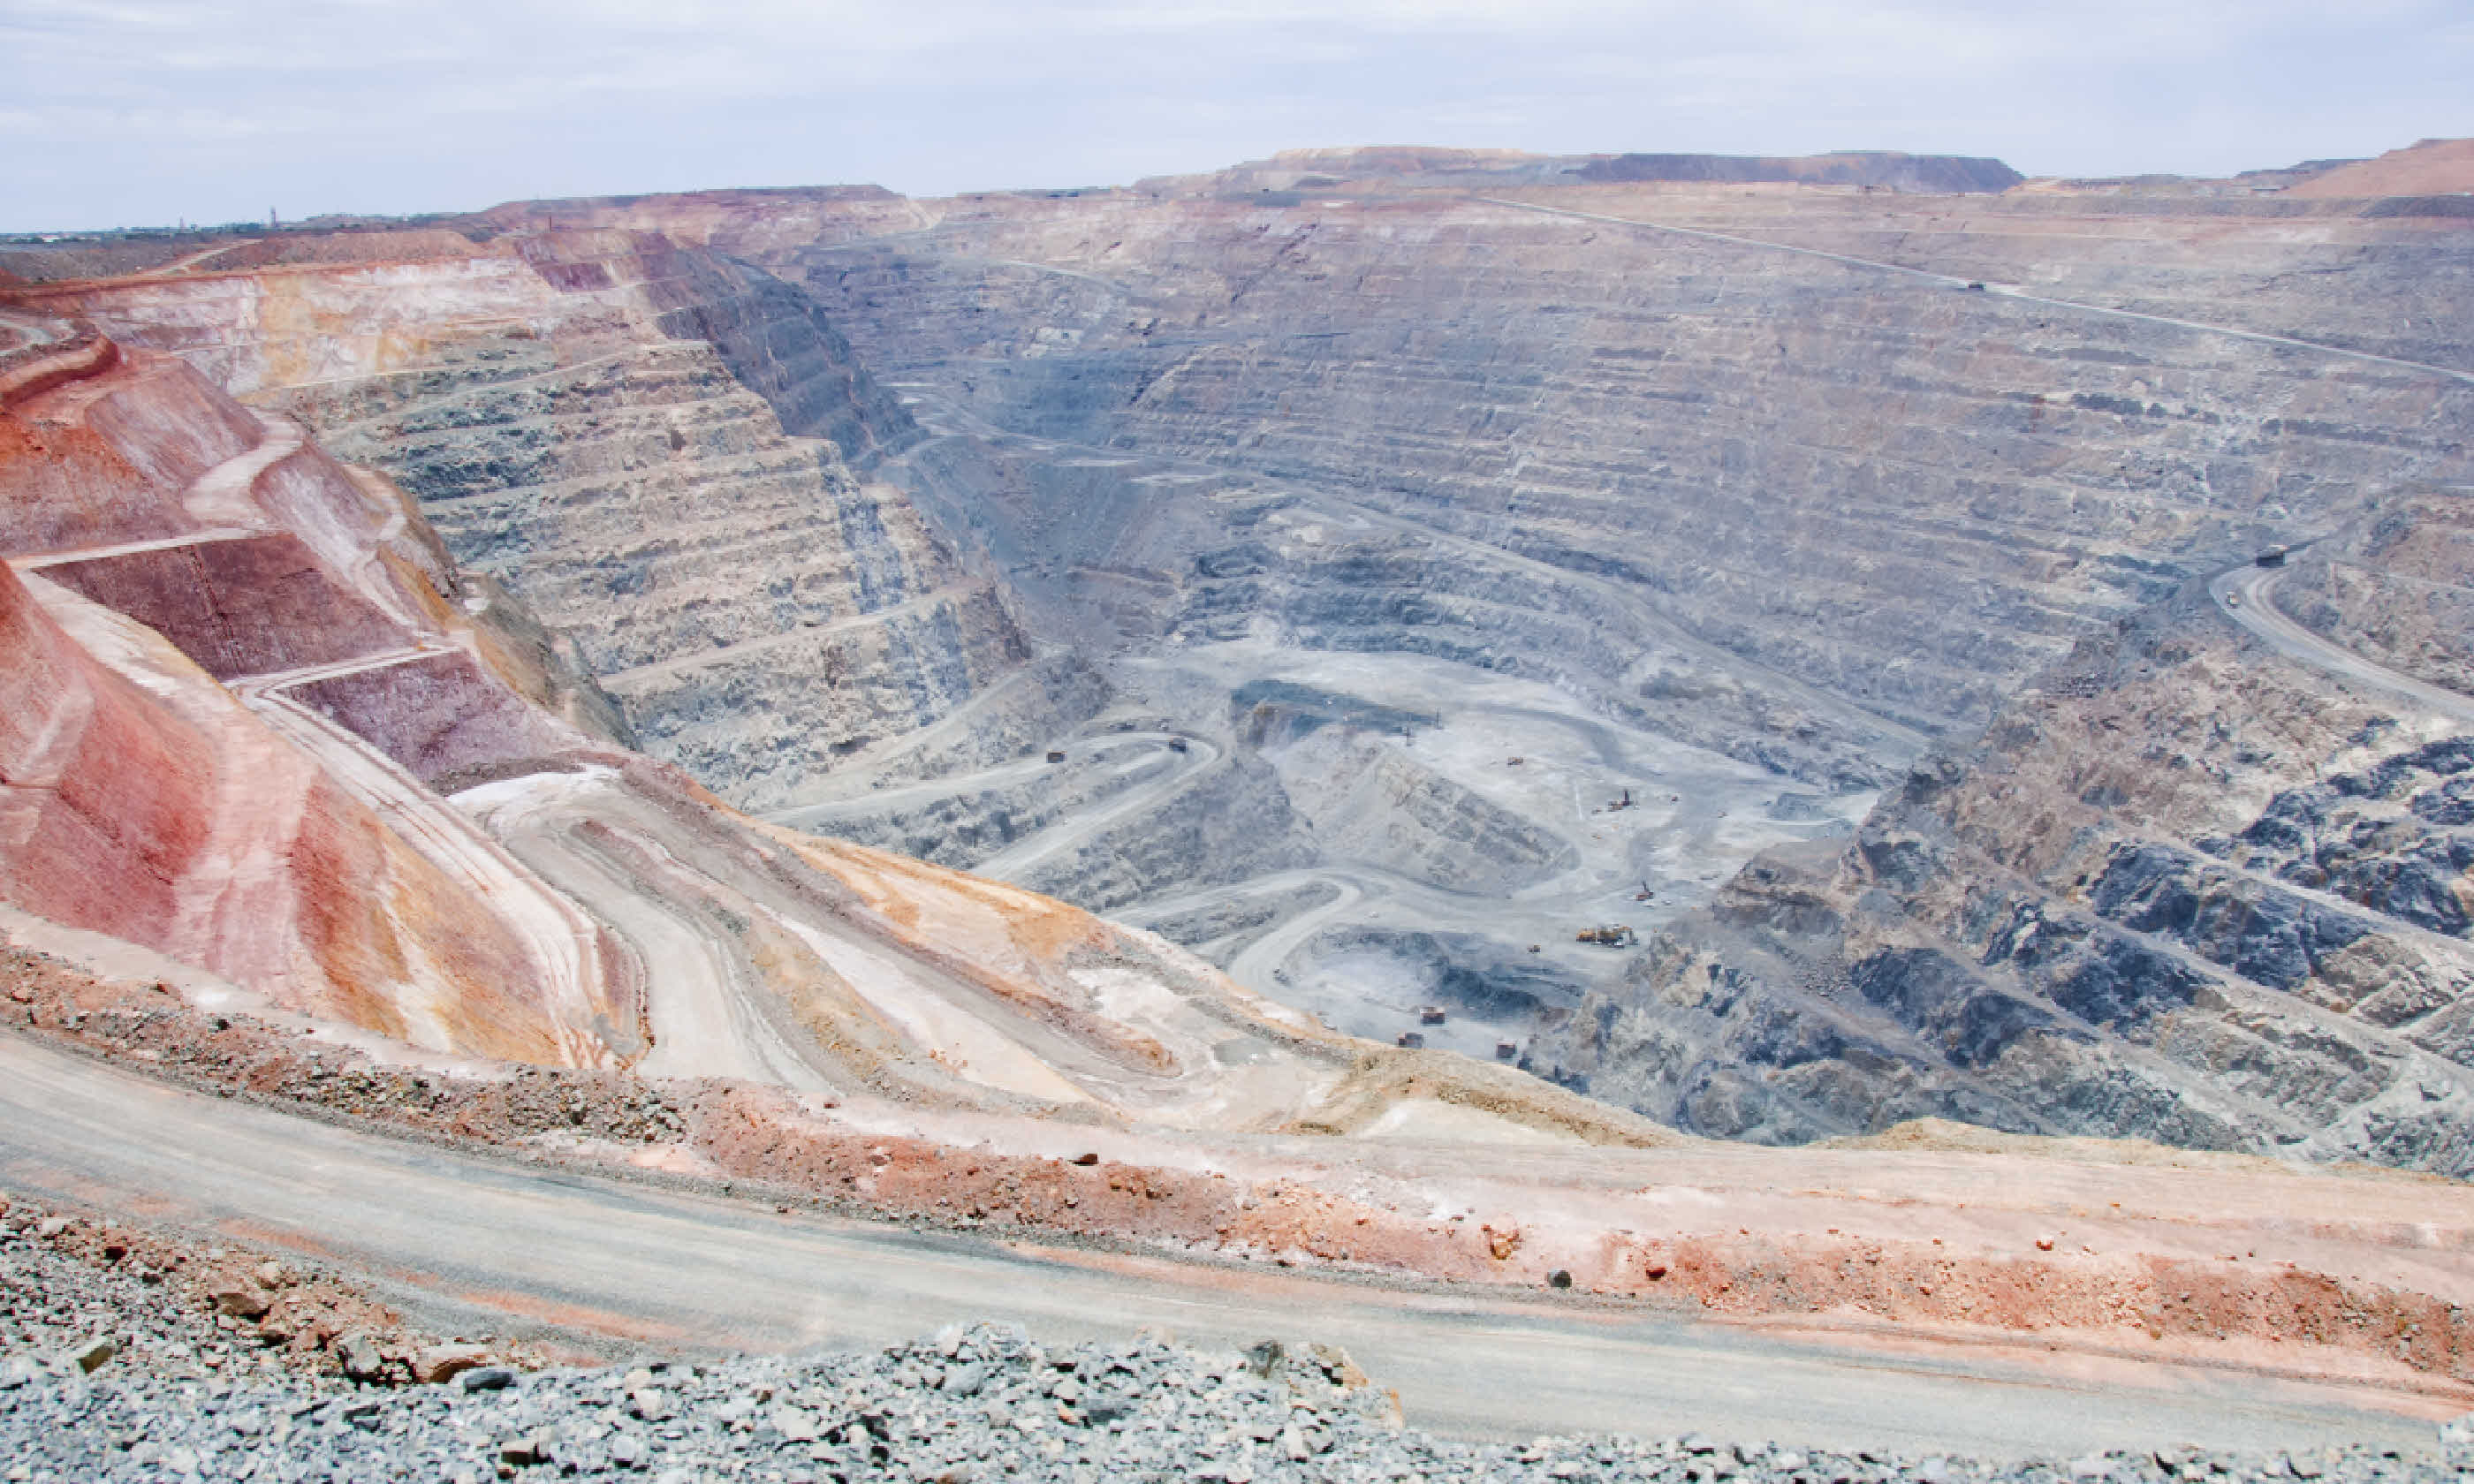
(2246, 594)
(462, 1243)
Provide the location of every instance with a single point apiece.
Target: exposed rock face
(1231, 821)
(228, 743)
(2182, 888)
(1883, 168)
(1365, 800)
(247, 605)
(145, 801)
(1809, 476)
(2391, 587)
(598, 419)
(1906, 495)
(1790, 483)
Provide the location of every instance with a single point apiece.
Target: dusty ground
(1932, 1232)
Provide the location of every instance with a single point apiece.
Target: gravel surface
(982, 1404)
(79, 1291)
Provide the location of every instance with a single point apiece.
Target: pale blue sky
(125, 112)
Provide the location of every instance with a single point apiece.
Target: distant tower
(270, 217)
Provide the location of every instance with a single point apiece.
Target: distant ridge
(2433, 167)
(1895, 171)
(1424, 166)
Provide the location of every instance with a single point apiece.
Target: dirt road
(2247, 596)
(448, 1234)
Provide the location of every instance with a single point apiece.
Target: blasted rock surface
(2183, 889)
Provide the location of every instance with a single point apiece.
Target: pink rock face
(141, 800)
(101, 790)
(439, 716)
(247, 607)
(87, 462)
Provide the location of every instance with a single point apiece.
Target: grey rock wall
(2181, 889)
(758, 611)
(1909, 496)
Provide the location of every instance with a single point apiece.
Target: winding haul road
(1016, 860)
(468, 1240)
(2246, 595)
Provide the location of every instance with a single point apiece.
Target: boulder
(358, 1353)
(439, 1364)
(240, 1297)
(91, 1354)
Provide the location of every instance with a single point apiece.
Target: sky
(144, 113)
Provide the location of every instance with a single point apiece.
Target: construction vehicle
(1506, 1050)
(1054, 755)
(1176, 744)
(1411, 1040)
(1611, 935)
(1431, 1015)
(1644, 894)
(1625, 803)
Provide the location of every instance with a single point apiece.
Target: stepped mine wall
(571, 904)
(2182, 889)
(1910, 496)
(597, 418)
(2393, 586)
(146, 801)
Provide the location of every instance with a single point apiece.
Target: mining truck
(1611, 934)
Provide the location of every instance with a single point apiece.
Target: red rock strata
(100, 790)
(247, 607)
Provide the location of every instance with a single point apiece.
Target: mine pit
(1841, 780)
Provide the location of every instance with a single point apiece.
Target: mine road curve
(1068, 832)
(473, 1242)
(2246, 595)
(1011, 863)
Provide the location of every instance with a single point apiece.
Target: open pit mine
(1792, 804)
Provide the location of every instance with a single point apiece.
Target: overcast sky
(127, 113)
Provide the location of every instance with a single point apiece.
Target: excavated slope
(1907, 494)
(2188, 886)
(149, 803)
(260, 726)
(1807, 476)
(645, 446)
